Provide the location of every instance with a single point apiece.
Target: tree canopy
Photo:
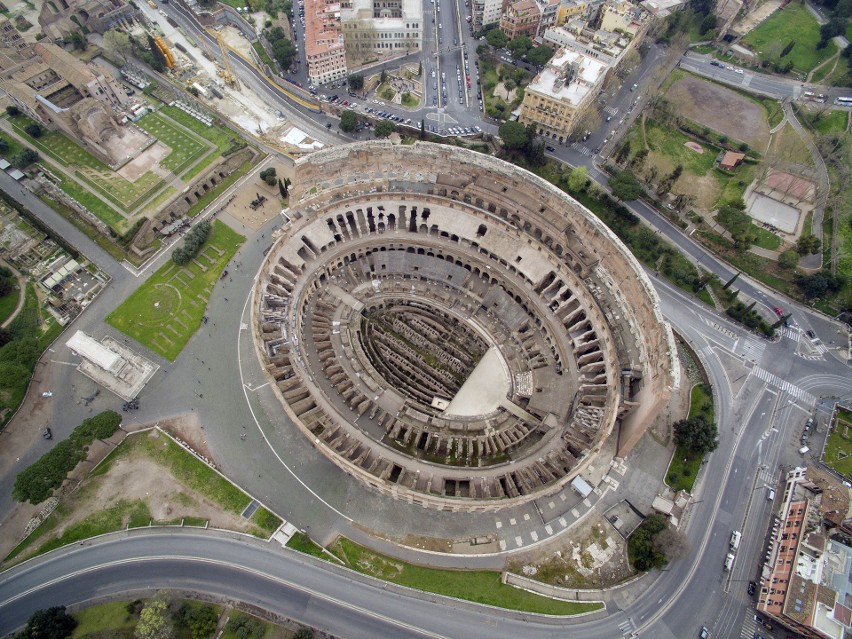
(356, 81)
(819, 284)
(49, 623)
(384, 128)
(697, 434)
(642, 552)
(540, 55)
(514, 135)
(496, 38)
(348, 121)
(625, 186)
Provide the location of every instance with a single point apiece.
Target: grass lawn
(262, 54)
(766, 239)
(670, 143)
(685, 465)
(838, 449)
(409, 100)
(787, 145)
(218, 135)
(792, 23)
(98, 207)
(832, 122)
(120, 191)
(304, 544)
(166, 310)
(185, 147)
(109, 619)
(479, 586)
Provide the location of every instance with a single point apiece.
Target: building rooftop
(322, 27)
(569, 76)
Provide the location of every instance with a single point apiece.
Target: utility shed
(581, 486)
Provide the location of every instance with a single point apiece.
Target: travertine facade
(454, 331)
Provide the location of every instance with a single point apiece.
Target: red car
(779, 312)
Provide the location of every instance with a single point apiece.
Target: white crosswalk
(791, 333)
(750, 347)
(611, 110)
(749, 627)
(627, 627)
(582, 148)
(784, 385)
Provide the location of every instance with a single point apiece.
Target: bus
(843, 101)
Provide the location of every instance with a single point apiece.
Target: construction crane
(227, 73)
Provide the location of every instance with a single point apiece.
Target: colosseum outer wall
(512, 193)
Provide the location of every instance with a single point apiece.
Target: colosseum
(453, 330)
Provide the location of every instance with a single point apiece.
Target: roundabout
(454, 331)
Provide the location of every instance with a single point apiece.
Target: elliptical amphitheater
(453, 330)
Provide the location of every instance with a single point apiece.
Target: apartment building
(805, 579)
(521, 17)
(324, 46)
(381, 29)
(559, 96)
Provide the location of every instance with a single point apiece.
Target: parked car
(551, 149)
(752, 588)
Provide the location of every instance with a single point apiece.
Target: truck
(729, 561)
(735, 539)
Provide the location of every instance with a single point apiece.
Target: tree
(383, 129)
(514, 135)
(6, 286)
(578, 179)
(304, 633)
(788, 48)
(520, 45)
(422, 129)
(672, 543)
(269, 176)
(819, 284)
(496, 38)
(154, 620)
(624, 186)
(481, 49)
(696, 434)
(420, 69)
(808, 244)
(284, 187)
(245, 627)
(348, 121)
(49, 623)
(641, 551)
(356, 81)
(283, 51)
(789, 259)
(540, 55)
(77, 40)
(26, 157)
(12, 111)
(383, 77)
(739, 225)
(118, 43)
(707, 24)
(201, 620)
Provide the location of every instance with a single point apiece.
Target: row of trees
(38, 481)
(283, 49)
(192, 243)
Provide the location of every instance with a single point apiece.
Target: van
(770, 496)
(803, 450)
(729, 561)
(735, 539)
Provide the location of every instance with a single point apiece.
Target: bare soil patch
(694, 146)
(188, 428)
(591, 555)
(720, 109)
(144, 162)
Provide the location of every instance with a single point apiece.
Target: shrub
(192, 244)
(38, 481)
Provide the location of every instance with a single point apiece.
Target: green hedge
(38, 481)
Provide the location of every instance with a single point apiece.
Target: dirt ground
(755, 17)
(138, 477)
(593, 555)
(146, 161)
(239, 207)
(720, 109)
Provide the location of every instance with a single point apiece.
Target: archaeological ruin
(453, 330)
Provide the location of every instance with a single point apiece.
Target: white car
(47, 394)
(740, 71)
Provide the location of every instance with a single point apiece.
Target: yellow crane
(227, 74)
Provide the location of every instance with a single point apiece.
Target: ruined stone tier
(455, 331)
